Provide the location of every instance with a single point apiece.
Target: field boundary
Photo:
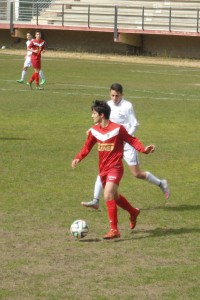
(195, 63)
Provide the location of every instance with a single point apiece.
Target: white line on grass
(165, 73)
(196, 98)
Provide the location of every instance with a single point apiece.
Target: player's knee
(138, 174)
(135, 173)
(108, 196)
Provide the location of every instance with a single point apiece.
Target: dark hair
(101, 107)
(117, 88)
(38, 31)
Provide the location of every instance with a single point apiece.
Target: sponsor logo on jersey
(105, 147)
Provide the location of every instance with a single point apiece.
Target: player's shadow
(184, 207)
(90, 240)
(13, 139)
(158, 232)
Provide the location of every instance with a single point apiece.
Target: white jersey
(28, 54)
(123, 113)
(27, 62)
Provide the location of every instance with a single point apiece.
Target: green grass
(40, 133)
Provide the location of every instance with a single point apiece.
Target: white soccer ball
(3, 47)
(79, 229)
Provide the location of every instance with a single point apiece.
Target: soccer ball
(79, 229)
(3, 47)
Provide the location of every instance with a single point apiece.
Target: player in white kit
(27, 62)
(122, 112)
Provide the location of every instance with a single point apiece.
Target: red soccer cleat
(133, 218)
(112, 234)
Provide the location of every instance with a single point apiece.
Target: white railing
(116, 17)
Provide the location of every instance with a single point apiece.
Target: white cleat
(165, 188)
(91, 204)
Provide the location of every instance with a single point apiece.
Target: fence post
(115, 25)
(88, 16)
(143, 18)
(11, 18)
(37, 12)
(63, 11)
(170, 19)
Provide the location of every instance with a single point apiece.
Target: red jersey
(37, 45)
(110, 141)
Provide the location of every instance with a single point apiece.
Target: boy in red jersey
(110, 138)
(37, 46)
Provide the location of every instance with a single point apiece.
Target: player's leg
(34, 64)
(97, 194)
(161, 183)
(41, 74)
(134, 212)
(38, 87)
(27, 64)
(131, 158)
(110, 192)
(35, 76)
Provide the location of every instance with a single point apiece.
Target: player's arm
(135, 142)
(132, 121)
(87, 147)
(29, 48)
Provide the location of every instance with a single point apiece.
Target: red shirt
(37, 45)
(110, 142)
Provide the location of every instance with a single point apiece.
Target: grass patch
(41, 131)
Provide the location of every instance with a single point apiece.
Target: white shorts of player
(130, 155)
(27, 62)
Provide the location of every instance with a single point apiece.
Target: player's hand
(75, 162)
(149, 149)
(87, 132)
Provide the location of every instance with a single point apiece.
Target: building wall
(99, 42)
(172, 46)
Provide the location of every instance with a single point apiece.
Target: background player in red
(110, 138)
(37, 46)
(27, 62)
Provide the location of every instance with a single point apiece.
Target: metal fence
(115, 17)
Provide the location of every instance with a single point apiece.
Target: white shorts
(130, 155)
(27, 62)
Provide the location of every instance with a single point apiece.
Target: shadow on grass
(90, 240)
(144, 234)
(153, 233)
(184, 207)
(13, 139)
(164, 232)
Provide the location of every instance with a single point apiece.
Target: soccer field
(42, 131)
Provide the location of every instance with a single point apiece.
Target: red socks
(112, 213)
(32, 78)
(123, 203)
(112, 210)
(35, 77)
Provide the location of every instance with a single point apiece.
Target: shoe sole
(111, 238)
(90, 206)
